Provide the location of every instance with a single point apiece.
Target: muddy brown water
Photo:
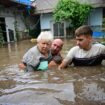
(71, 86)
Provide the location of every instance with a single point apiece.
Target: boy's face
(84, 41)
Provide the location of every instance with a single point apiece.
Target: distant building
(96, 18)
(15, 19)
(44, 9)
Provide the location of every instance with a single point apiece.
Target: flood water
(71, 86)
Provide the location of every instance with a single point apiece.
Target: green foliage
(16, 30)
(1, 37)
(72, 10)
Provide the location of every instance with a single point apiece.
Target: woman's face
(44, 46)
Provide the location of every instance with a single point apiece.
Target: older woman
(38, 57)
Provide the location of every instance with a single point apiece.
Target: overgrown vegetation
(72, 10)
(16, 30)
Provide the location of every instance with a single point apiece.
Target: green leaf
(72, 10)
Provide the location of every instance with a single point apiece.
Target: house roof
(15, 3)
(7, 3)
(45, 6)
(94, 3)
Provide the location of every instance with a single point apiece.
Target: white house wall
(20, 22)
(95, 18)
(7, 14)
(10, 17)
(45, 21)
(10, 25)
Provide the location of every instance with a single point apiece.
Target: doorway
(3, 27)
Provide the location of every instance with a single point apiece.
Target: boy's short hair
(84, 30)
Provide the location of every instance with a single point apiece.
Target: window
(58, 29)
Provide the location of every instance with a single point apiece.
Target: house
(96, 18)
(44, 9)
(15, 19)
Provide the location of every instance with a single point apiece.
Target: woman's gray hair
(45, 35)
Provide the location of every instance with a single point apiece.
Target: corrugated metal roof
(94, 3)
(45, 6)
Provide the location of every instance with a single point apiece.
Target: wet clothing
(80, 57)
(57, 58)
(34, 60)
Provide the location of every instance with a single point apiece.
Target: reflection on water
(72, 86)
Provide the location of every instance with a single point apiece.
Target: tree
(72, 10)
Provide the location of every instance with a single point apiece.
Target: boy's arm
(62, 65)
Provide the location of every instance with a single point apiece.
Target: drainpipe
(7, 33)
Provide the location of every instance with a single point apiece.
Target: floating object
(33, 40)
